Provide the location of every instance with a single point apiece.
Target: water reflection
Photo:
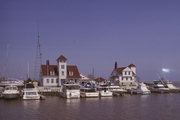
(144, 97)
(135, 107)
(31, 104)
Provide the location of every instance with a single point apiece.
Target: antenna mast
(38, 60)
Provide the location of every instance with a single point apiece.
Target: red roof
(119, 70)
(47, 68)
(131, 65)
(62, 58)
(100, 79)
(72, 71)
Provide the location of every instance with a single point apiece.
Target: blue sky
(92, 34)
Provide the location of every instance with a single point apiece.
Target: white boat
(11, 92)
(117, 90)
(158, 87)
(30, 93)
(171, 86)
(141, 89)
(104, 91)
(89, 90)
(70, 91)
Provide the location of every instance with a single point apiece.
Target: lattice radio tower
(38, 60)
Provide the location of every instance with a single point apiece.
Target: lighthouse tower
(62, 69)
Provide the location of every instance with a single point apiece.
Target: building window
(62, 73)
(127, 78)
(70, 73)
(129, 72)
(56, 80)
(62, 66)
(52, 81)
(51, 72)
(47, 80)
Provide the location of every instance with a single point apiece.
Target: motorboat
(104, 91)
(89, 90)
(141, 89)
(11, 92)
(158, 87)
(117, 90)
(171, 86)
(30, 93)
(70, 91)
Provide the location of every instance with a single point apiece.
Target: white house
(57, 75)
(125, 77)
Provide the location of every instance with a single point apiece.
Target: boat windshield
(73, 87)
(11, 88)
(89, 90)
(29, 86)
(103, 88)
(31, 93)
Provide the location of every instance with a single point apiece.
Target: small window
(51, 72)
(56, 80)
(62, 73)
(62, 66)
(70, 73)
(52, 80)
(47, 80)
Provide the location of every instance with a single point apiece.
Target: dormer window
(70, 73)
(51, 72)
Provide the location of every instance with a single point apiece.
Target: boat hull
(31, 97)
(11, 96)
(106, 94)
(160, 91)
(90, 94)
(70, 95)
(174, 90)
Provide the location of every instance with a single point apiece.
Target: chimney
(115, 65)
(47, 62)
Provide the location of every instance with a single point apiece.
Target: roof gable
(127, 69)
(131, 65)
(62, 58)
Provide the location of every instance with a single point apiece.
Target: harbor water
(135, 107)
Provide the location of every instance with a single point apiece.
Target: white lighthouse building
(57, 75)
